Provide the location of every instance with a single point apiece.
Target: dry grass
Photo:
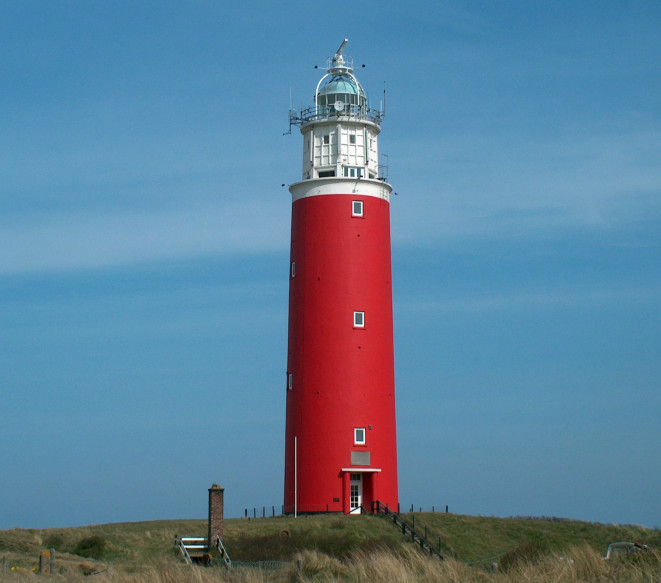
(579, 565)
(338, 548)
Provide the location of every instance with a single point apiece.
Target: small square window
(357, 208)
(352, 139)
(359, 319)
(326, 139)
(290, 381)
(359, 436)
(293, 268)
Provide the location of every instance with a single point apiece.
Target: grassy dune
(339, 548)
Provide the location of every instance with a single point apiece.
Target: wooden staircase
(197, 550)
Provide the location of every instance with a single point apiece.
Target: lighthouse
(340, 438)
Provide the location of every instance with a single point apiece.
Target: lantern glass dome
(341, 88)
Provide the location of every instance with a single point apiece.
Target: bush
(528, 552)
(55, 541)
(93, 547)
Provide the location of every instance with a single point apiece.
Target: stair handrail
(407, 530)
(223, 552)
(178, 542)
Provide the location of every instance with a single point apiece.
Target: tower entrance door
(356, 494)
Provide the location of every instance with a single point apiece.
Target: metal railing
(315, 113)
(407, 530)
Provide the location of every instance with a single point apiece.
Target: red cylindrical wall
(340, 377)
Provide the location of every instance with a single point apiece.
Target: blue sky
(144, 238)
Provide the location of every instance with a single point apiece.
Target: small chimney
(216, 495)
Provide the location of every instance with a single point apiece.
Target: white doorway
(356, 494)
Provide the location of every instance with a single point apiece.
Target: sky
(144, 241)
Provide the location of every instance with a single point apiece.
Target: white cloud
(494, 184)
(77, 240)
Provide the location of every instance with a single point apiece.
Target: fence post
(44, 562)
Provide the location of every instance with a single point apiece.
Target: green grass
(282, 538)
(479, 539)
(471, 540)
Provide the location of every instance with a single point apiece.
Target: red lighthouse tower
(340, 445)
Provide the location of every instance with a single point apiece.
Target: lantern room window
(353, 172)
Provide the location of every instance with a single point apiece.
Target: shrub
(55, 541)
(93, 547)
(527, 552)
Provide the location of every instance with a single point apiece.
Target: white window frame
(359, 319)
(293, 269)
(356, 440)
(352, 172)
(290, 381)
(357, 211)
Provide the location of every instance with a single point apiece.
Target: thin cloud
(486, 185)
(592, 296)
(74, 240)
